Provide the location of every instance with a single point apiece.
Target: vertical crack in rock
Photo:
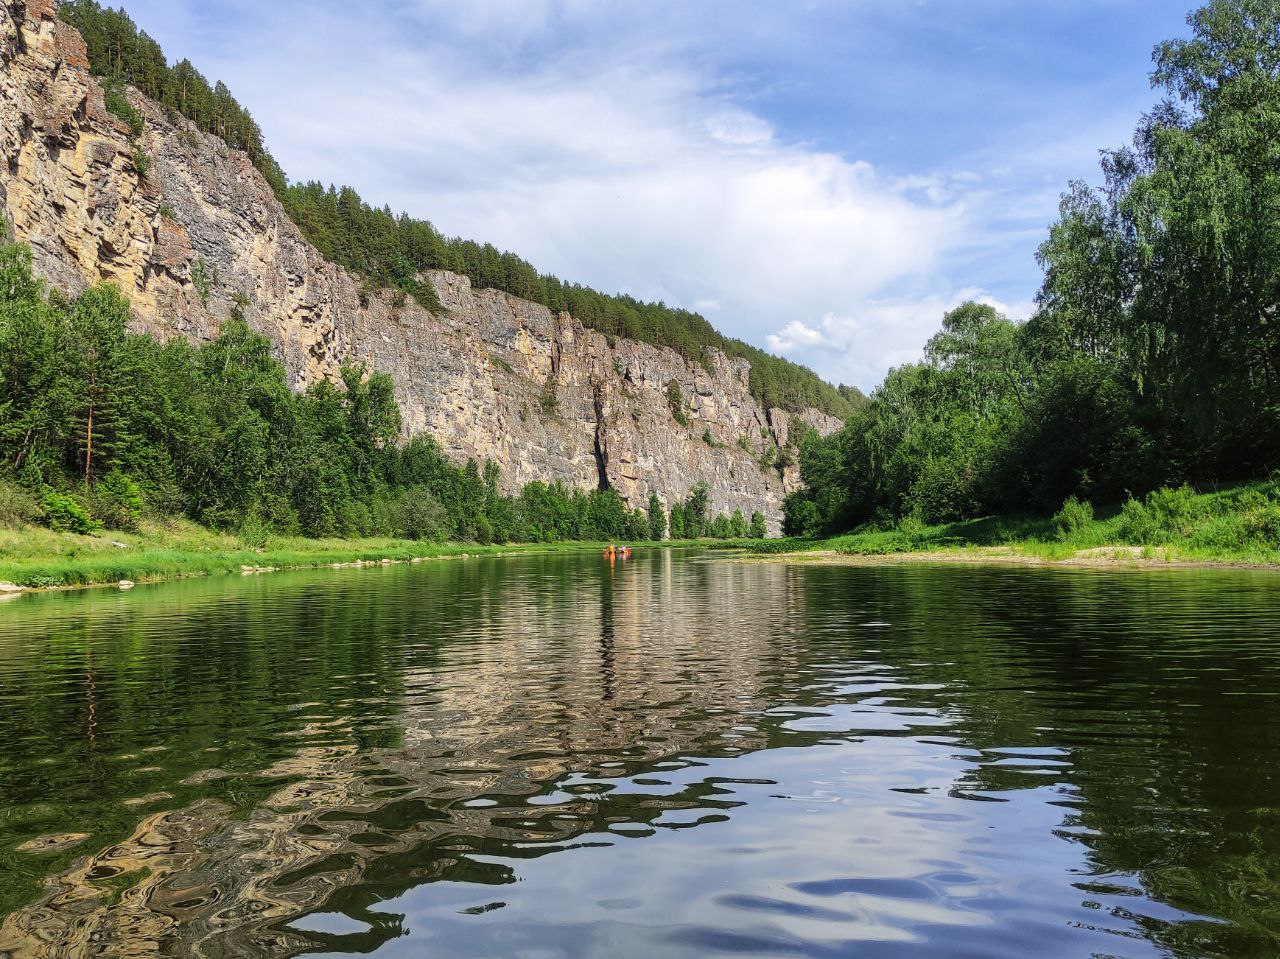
(601, 449)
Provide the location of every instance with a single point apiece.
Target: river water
(678, 755)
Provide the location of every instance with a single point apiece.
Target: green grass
(35, 557)
(1237, 524)
(1233, 524)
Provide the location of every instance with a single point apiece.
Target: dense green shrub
(800, 516)
(419, 515)
(18, 507)
(255, 530)
(1176, 509)
(1166, 516)
(1074, 516)
(1138, 524)
(67, 514)
(1263, 525)
(141, 161)
(117, 501)
(118, 104)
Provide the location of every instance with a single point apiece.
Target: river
(676, 755)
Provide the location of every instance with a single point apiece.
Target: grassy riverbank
(1238, 525)
(37, 558)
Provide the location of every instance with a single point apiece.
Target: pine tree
(657, 518)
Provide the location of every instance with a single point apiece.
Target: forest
(390, 250)
(102, 427)
(1153, 358)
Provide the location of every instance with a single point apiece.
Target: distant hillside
(393, 251)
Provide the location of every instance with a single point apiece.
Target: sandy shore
(1103, 557)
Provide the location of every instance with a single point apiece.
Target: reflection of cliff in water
(440, 725)
(508, 741)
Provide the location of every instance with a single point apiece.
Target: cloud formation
(627, 146)
(857, 345)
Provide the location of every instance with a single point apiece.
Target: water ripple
(680, 756)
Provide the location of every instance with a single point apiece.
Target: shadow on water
(678, 755)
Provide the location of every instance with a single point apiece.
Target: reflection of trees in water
(1157, 695)
(548, 680)
(498, 691)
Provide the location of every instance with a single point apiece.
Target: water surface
(681, 755)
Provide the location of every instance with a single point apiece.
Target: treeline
(1154, 355)
(121, 53)
(103, 427)
(390, 250)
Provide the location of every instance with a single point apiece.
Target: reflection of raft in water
(619, 552)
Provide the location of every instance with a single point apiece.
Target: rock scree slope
(200, 237)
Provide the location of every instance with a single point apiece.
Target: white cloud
(739, 128)
(615, 162)
(798, 335)
(885, 333)
(585, 137)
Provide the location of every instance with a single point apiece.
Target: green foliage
(119, 106)
(1154, 356)
(256, 529)
(1234, 524)
(1166, 272)
(800, 515)
(708, 438)
(1259, 517)
(168, 212)
(657, 518)
(690, 520)
(17, 506)
(121, 53)
(637, 527)
(203, 278)
(213, 432)
(141, 160)
(501, 364)
(675, 400)
(67, 514)
(676, 525)
(1167, 515)
(117, 501)
(1073, 517)
(695, 511)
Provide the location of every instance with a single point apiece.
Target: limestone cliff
(201, 236)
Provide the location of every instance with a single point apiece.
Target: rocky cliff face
(201, 237)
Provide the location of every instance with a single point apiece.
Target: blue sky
(823, 179)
